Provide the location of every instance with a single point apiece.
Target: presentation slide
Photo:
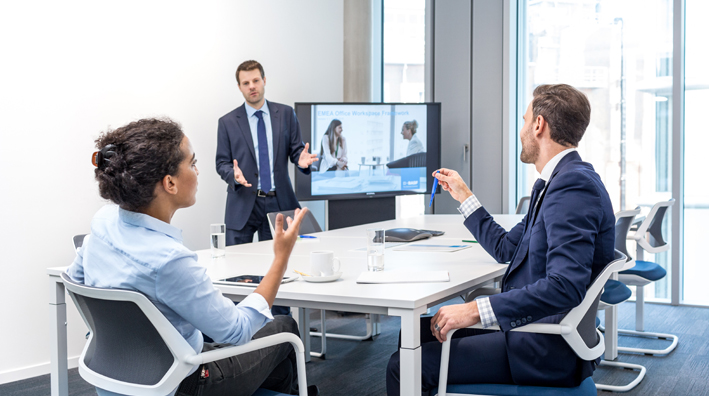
(369, 148)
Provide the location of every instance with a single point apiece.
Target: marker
(435, 186)
(470, 241)
(307, 237)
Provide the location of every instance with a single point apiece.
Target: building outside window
(619, 53)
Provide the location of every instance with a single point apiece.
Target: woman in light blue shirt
(148, 170)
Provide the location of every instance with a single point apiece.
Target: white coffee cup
(322, 263)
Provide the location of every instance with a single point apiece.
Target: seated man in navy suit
(555, 253)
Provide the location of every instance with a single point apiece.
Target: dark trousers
(257, 222)
(271, 368)
(477, 356)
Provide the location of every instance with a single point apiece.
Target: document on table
(403, 277)
(428, 247)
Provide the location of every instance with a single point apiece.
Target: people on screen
(148, 170)
(333, 148)
(408, 131)
(554, 254)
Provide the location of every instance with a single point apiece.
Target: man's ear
(539, 125)
(264, 81)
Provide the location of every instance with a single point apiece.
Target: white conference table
(469, 268)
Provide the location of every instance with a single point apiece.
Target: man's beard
(530, 152)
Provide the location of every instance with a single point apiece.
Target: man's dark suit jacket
(235, 143)
(570, 240)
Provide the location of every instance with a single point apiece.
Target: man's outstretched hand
(306, 159)
(239, 175)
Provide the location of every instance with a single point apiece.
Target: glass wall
(696, 141)
(404, 58)
(619, 53)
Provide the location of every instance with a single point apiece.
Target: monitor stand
(352, 212)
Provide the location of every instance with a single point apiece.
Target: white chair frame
(185, 357)
(607, 307)
(567, 328)
(643, 245)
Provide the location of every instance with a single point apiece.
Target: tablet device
(249, 280)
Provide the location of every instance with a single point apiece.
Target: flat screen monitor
(369, 149)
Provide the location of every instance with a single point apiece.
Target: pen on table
(307, 237)
(433, 190)
(470, 241)
(300, 273)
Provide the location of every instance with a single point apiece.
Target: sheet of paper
(403, 277)
(429, 247)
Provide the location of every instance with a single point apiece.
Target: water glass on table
(375, 249)
(217, 240)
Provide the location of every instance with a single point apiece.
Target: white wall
(71, 69)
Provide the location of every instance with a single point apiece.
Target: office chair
(649, 239)
(577, 329)
(310, 226)
(523, 205)
(78, 240)
(614, 293)
(134, 350)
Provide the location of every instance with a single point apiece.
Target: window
(696, 141)
(404, 60)
(619, 53)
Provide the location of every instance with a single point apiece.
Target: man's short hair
(248, 66)
(565, 109)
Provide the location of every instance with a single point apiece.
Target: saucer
(319, 279)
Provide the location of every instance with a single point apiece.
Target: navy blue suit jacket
(569, 241)
(235, 143)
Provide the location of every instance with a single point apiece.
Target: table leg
(410, 352)
(302, 317)
(58, 349)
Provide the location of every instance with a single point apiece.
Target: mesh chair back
(131, 344)
(78, 240)
(582, 318)
(649, 234)
(308, 226)
(623, 222)
(124, 344)
(654, 237)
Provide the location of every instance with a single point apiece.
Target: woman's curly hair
(145, 152)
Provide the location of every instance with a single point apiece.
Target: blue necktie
(264, 169)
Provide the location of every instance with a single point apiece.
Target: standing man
(555, 253)
(255, 141)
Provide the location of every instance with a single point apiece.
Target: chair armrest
(483, 291)
(260, 343)
(253, 345)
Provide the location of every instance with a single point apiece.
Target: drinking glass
(217, 239)
(375, 249)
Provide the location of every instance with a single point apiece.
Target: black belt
(261, 193)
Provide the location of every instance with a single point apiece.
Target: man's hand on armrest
(454, 317)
